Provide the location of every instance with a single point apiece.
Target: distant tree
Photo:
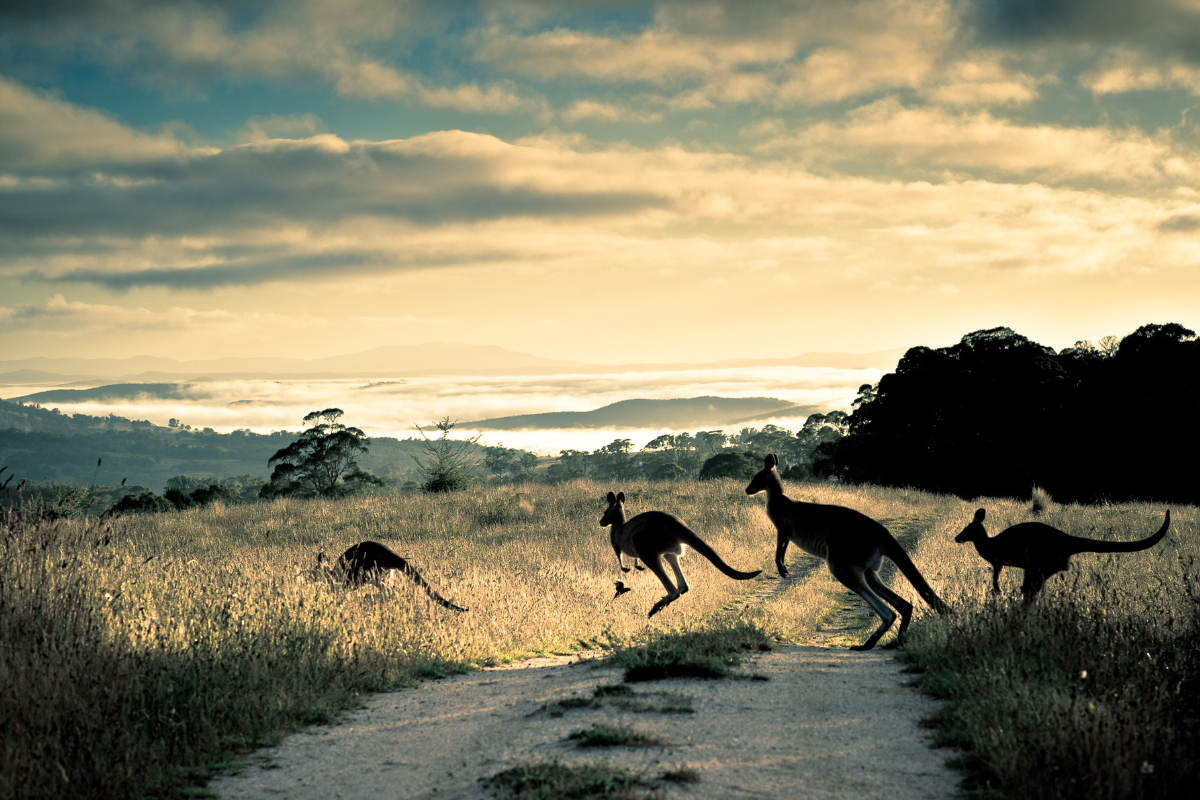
(731, 464)
(498, 460)
(612, 461)
(572, 464)
(321, 463)
(448, 463)
(524, 467)
(145, 503)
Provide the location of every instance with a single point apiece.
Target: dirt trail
(826, 723)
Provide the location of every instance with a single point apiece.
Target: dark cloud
(1180, 223)
(313, 182)
(243, 269)
(1165, 26)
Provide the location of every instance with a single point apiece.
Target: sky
(602, 182)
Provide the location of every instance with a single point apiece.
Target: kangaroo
(852, 545)
(366, 562)
(656, 535)
(1040, 550)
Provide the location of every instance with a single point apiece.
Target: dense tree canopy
(997, 413)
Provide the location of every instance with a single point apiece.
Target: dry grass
(1089, 692)
(135, 660)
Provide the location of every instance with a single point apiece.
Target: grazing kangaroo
(852, 544)
(366, 562)
(656, 535)
(1040, 550)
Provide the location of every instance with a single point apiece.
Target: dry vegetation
(1093, 690)
(135, 660)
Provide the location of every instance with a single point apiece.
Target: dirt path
(826, 723)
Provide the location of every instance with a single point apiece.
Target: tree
(321, 463)
(612, 461)
(449, 462)
(731, 464)
(498, 460)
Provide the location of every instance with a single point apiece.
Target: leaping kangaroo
(1040, 549)
(852, 544)
(367, 561)
(656, 535)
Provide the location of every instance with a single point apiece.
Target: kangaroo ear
(620, 497)
(979, 515)
(612, 498)
(771, 460)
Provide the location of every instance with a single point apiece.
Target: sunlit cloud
(976, 141)
(64, 317)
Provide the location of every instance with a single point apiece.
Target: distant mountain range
(683, 414)
(432, 358)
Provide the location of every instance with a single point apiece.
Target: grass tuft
(612, 736)
(552, 780)
(706, 653)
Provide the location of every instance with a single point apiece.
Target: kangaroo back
(1082, 545)
(892, 549)
(689, 537)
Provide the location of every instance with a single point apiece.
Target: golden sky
(604, 182)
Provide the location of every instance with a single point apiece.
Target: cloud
(275, 126)
(39, 129)
(190, 45)
(980, 142)
(65, 317)
(1163, 26)
(780, 56)
(1124, 70)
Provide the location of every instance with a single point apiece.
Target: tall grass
(134, 657)
(1093, 690)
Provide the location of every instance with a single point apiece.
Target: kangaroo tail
(1099, 546)
(696, 543)
(411, 572)
(892, 549)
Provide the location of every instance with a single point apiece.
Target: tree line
(998, 413)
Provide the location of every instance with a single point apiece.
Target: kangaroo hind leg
(673, 560)
(655, 565)
(896, 601)
(853, 577)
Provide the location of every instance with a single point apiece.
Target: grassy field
(1092, 691)
(136, 659)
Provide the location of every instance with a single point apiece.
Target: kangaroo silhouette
(852, 544)
(366, 562)
(1040, 549)
(653, 536)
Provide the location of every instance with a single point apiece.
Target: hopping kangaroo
(367, 561)
(852, 544)
(656, 535)
(1040, 550)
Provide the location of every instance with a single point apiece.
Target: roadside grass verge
(137, 657)
(1093, 690)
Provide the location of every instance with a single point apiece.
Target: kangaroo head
(615, 513)
(766, 477)
(975, 531)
